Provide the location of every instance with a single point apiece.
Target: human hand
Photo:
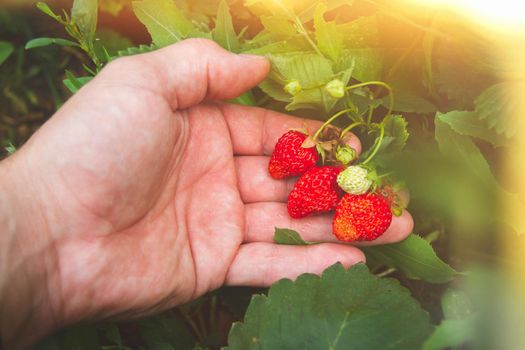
(141, 193)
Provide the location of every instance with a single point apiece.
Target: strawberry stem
(330, 120)
(350, 127)
(384, 175)
(378, 144)
(378, 83)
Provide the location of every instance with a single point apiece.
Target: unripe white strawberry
(354, 180)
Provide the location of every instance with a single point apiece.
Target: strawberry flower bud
(293, 87)
(354, 180)
(335, 88)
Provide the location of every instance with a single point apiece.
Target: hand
(141, 193)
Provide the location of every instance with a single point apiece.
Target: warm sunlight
(502, 13)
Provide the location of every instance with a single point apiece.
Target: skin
(143, 192)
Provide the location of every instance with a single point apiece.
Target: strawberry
(354, 180)
(361, 217)
(315, 192)
(289, 157)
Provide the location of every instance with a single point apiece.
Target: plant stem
(378, 145)
(331, 119)
(213, 312)
(192, 324)
(378, 83)
(386, 272)
(200, 319)
(404, 56)
(370, 114)
(302, 31)
(350, 127)
(299, 24)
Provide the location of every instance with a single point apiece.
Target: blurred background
(458, 72)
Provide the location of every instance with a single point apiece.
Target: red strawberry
(315, 192)
(289, 158)
(361, 217)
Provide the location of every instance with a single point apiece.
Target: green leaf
(499, 106)
(113, 7)
(279, 27)
(136, 50)
(328, 36)
(395, 138)
(287, 236)
(262, 45)
(455, 75)
(414, 257)
(275, 90)
(84, 14)
(111, 42)
(275, 7)
(368, 63)
(10, 148)
(307, 12)
(42, 6)
(77, 337)
(245, 99)
(316, 98)
(396, 130)
(342, 309)
(450, 333)
(166, 331)
(361, 32)
(410, 103)
(469, 124)
(6, 49)
(456, 305)
(224, 33)
(309, 69)
(73, 83)
(463, 149)
(112, 332)
(41, 42)
(164, 21)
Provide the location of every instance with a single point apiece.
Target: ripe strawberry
(289, 158)
(315, 192)
(361, 217)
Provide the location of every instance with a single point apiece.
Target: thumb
(189, 72)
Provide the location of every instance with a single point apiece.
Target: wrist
(27, 263)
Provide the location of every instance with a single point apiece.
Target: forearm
(26, 259)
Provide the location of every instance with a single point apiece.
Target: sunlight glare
(504, 13)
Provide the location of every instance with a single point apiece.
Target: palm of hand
(155, 199)
(145, 203)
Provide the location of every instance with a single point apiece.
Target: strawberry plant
(428, 101)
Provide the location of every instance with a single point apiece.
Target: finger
(188, 72)
(256, 184)
(261, 264)
(262, 218)
(255, 131)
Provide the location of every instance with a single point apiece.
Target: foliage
(30, 82)
(312, 313)
(417, 78)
